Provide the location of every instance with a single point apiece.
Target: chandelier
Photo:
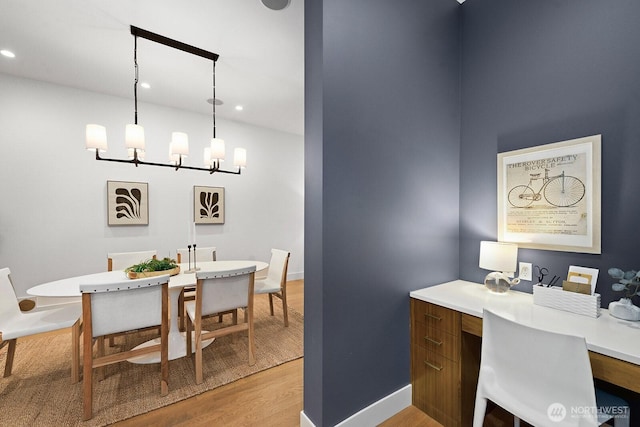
(96, 135)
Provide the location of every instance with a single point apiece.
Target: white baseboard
(304, 421)
(375, 413)
(295, 276)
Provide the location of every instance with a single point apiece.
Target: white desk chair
(122, 260)
(188, 293)
(115, 308)
(217, 293)
(275, 284)
(538, 376)
(15, 324)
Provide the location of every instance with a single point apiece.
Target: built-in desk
(446, 326)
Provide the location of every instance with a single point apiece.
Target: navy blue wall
(536, 72)
(382, 170)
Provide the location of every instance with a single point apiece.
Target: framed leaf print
(208, 205)
(127, 203)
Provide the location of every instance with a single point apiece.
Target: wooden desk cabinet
(435, 361)
(446, 341)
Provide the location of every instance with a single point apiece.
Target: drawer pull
(433, 316)
(431, 365)
(431, 340)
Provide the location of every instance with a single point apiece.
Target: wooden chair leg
(271, 303)
(198, 328)
(11, 351)
(180, 313)
(285, 311)
(112, 341)
(189, 339)
(100, 353)
(252, 344)
(87, 378)
(75, 352)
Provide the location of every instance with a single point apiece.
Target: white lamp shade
(96, 138)
(173, 158)
(140, 153)
(498, 256)
(179, 144)
(217, 149)
(134, 136)
(207, 156)
(240, 157)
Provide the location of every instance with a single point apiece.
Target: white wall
(53, 192)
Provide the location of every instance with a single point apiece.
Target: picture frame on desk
(549, 196)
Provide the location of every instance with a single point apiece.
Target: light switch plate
(524, 271)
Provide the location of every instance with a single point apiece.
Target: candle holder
(195, 268)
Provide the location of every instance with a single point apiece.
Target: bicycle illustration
(560, 190)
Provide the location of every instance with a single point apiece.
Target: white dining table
(70, 287)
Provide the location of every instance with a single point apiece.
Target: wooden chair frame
(90, 362)
(110, 268)
(182, 298)
(282, 292)
(195, 325)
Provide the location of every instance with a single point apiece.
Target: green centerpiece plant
(153, 267)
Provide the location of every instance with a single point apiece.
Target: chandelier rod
(145, 34)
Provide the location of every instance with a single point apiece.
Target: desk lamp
(501, 258)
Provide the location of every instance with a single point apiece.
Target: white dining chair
(541, 377)
(15, 324)
(275, 284)
(120, 307)
(202, 254)
(218, 292)
(188, 293)
(122, 260)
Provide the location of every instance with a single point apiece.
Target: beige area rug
(39, 391)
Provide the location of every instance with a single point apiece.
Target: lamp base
(499, 282)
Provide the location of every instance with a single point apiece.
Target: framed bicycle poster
(549, 196)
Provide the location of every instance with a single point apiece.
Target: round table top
(70, 287)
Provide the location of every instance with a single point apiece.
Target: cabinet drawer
(435, 316)
(436, 386)
(437, 341)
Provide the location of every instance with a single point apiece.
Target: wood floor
(272, 398)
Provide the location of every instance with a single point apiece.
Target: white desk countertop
(605, 335)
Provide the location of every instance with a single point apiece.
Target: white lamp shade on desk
(498, 256)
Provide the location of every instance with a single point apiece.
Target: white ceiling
(87, 44)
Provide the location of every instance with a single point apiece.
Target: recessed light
(145, 85)
(239, 108)
(7, 53)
